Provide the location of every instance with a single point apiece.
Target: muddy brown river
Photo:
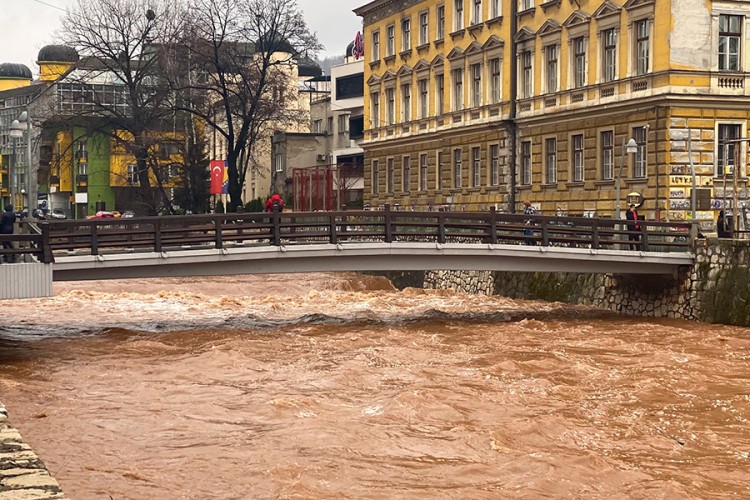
(340, 386)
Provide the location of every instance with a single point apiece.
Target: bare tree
(119, 87)
(241, 57)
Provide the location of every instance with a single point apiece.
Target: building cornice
(378, 10)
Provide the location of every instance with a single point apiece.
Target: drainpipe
(513, 97)
(656, 159)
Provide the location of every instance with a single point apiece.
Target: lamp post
(16, 131)
(631, 147)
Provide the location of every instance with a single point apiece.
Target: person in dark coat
(7, 223)
(633, 226)
(724, 225)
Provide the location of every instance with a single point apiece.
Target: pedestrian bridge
(292, 242)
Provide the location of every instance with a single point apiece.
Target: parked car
(102, 215)
(128, 214)
(56, 213)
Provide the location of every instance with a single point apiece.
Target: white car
(57, 213)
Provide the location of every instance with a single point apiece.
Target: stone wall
(715, 289)
(22, 474)
(475, 282)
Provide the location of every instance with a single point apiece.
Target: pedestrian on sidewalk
(7, 223)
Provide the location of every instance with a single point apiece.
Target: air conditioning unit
(321, 157)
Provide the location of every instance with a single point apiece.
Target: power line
(50, 5)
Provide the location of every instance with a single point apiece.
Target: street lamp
(16, 131)
(631, 148)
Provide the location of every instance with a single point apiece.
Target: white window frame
(726, 36)
(440, 28)
(640, 161)
(476, 85)
(406, 34)
(457, 168)
(551, 68)
(494, 161)
(439, 94)
(578, 49)
(389, 175)
(279, 163)
(423, 169)
(424, 27)
(406, 102)
(375, 109)
(550, 160)
(424, 98)
(375, 187)
(476, 167)
(376, 45)
(578, 156)
(609, 54)
(496, 80)
(390, 98)
(527, 153)
(458, 15)
(642, 47)
(457, 77)
(390, 47)
(476, 12)
(439, 170)
(405, 174)
(607, 155)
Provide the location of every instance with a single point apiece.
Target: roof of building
(57, 53)
(15, 71)
(308, 67)
(269, 43)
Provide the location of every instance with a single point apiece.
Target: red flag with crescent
(217, 176)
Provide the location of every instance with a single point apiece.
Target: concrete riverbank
(23, 476)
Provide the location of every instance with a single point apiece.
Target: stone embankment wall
(715, 289)
(22, 474)
(474, 282)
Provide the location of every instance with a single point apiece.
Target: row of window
(484, 87)
(579, 60)
(425, 170)
(477, 176)
(477, 17)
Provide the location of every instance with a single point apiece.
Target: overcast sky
(28, 25)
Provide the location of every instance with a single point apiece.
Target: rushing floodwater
(339, 386)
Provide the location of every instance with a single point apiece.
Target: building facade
(324, 169)
(477, 103)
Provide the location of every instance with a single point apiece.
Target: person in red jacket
(275, 202)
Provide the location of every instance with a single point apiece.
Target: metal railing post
(545, 233)
(218, 235)
(94, 240)
(595, 234)
(157, 236)
(644, 238)
(387, 221)
(493, 226)
(276, 217)
(46, 249)
(333, 236)
(441, 227)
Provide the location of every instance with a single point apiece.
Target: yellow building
(475, 103)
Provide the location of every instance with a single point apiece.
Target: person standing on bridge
(7, 222)
(634, 224)
(529, 210)
(275, 203)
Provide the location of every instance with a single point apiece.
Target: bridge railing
(158, 234)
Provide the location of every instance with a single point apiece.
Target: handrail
(157, 234)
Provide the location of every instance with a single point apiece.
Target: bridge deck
(354, 241)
